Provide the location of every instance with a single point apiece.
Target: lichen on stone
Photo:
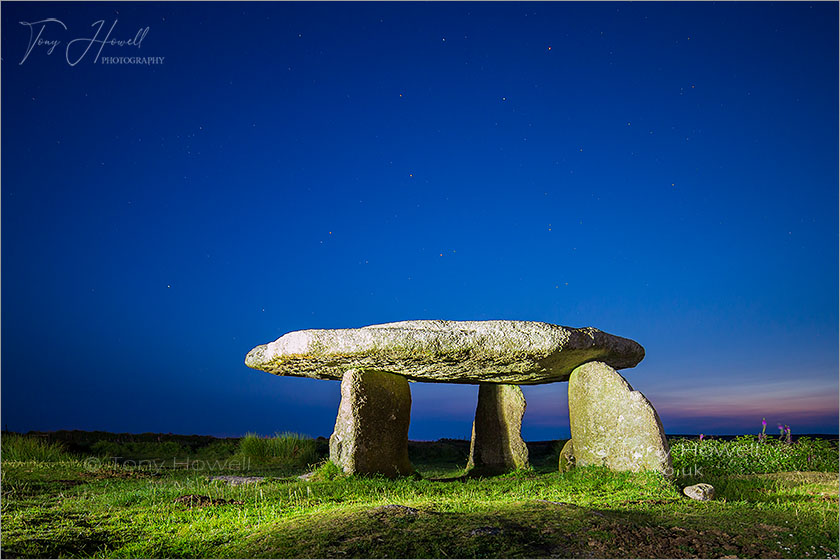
(612, 425)
(507, 352)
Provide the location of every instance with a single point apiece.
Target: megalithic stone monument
(376, 362)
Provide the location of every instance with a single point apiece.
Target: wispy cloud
(770, 398)
(724, 403)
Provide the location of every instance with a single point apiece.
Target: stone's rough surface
(613, 425)
(496, 445)
(567, 457)
(703, 492)
(371, 430)
(508, 352)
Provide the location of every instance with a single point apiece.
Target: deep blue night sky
(667, 172)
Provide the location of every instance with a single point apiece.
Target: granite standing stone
(371, 430)
(496, 445)
(613, 425)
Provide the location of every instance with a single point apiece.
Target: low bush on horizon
(286, 448)
(16, 447)
(138, 450)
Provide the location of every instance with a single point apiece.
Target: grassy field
(157, 499)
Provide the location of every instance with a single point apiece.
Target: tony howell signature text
(42, 36)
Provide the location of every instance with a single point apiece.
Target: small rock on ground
(237, 480)
(395, 508)
(702, 492)
(485, 531)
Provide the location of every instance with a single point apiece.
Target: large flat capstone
(509, 352)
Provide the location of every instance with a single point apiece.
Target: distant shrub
(221, 449)
(287, 448)
(107, 449)
(16, 447)
(139, 449)
(747, 455)
(441, 451)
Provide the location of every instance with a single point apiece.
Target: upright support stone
(371, 429)
(613, 425)
(496, 445)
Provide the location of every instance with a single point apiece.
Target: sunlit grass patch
(101, 509)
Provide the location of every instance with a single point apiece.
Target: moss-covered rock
(371, 429)
(613, 425)
(567, 457)
(702, 492)
(496, 445)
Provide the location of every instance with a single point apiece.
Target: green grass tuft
(328, 471)
(15, 447)
(287, 448)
